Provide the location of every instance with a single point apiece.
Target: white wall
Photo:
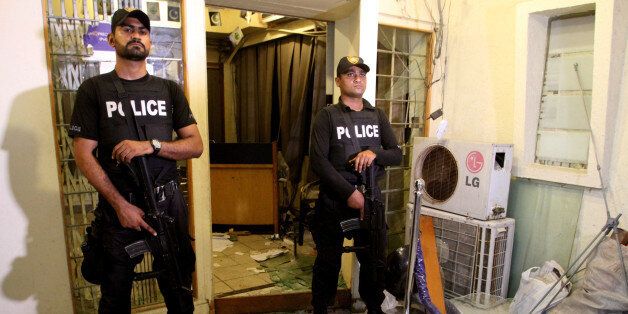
(479, 87)
(196, 91)
(479, 96)
(346, 42)
(33, 265)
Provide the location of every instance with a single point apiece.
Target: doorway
(272, 84)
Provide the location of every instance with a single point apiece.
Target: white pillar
(195, 70)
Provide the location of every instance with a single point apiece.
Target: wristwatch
(156, 144)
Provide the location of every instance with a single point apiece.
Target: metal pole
(579, 260)
(419, 186)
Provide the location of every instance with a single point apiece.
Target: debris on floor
(233, 235)
(262, 256)
(220, 242)
(256, 270)
(255, 264)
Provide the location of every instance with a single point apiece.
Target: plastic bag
(535, 283)
(390, 302)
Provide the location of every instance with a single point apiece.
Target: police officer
(105, 142)
(337, 130)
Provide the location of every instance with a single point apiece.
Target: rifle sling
(347, 121)
(123, 96)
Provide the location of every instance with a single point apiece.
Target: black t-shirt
(331, 145)
(159, 106)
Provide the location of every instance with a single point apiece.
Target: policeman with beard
(347, 138)
(105, 142)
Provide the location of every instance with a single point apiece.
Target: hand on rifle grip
(356, 201)
(131, 216)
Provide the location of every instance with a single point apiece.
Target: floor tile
(265, 277)
(253, 238)
(244, 259)
(237, 247)
(245, 282)
(221, 287)
(232, 272)
(223, 261)
(264, 245)
(282, 271)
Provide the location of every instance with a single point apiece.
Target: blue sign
(96, 36)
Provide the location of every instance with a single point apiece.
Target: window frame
(532, 25)
(568, 161)
(385, 182)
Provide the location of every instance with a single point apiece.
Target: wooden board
(243, 194)
(296, 301)
(432, 268)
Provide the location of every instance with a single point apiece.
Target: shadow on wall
(40, 275)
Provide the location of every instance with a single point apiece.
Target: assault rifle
(374, 220)
(164, 245)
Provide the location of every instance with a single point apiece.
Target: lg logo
(475, 163)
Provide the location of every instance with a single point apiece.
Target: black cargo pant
(328, 237)
(117, 283)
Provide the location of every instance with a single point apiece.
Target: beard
(133, 53)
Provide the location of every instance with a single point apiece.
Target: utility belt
(161, 192)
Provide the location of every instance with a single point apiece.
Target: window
(401, 92)
(563, 133)
(552, 141)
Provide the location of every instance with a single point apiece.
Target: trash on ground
(268, 254)
(255, 270)
(219, 244)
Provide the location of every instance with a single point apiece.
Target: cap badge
(353, 60)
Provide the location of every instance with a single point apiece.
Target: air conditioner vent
(474, 256)
(440, 172)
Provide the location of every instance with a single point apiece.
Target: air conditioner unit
(466, 178)
(474, 256)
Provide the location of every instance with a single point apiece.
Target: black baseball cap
(121, 14)
(347, 62)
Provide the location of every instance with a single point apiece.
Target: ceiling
(325, 10)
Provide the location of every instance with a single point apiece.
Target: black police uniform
(160, 107)
(331, 148)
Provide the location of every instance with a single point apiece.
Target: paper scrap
(255, 270)
(268, 254)
(220, 244)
